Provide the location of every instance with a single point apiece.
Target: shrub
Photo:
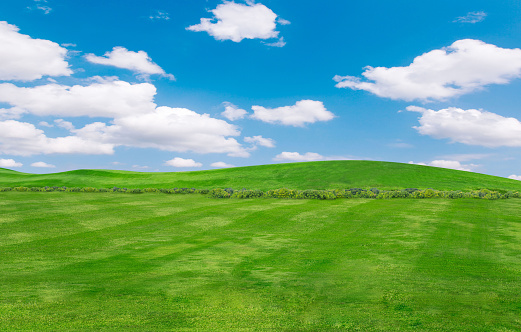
(429, 193)
(366, 194)
(375, 191)
(89, 190)
(219, 193)
(135, 191)
(247, 194)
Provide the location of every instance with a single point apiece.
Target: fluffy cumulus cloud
(23, 58)
(9, 163)
(24, 139)
(452, 164)
(42, 164)
(135, 120)
(303, 112)
(471, 17)
(100, 99)
(170, 129)
(235, 21)
(232, 112)
(180, 162)
(472, 127)
(465, 66)
(515, 177)
(295, 156)
(259, 140)
(221, 164)
(138, 62)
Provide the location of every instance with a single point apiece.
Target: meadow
(114, 261)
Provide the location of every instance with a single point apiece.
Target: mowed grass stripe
(179, 262)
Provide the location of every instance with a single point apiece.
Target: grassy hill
(92, 262)
(309, 175)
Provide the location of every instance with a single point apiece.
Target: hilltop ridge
(305, 175)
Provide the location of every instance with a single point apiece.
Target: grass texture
(90, 262)
(309, 175)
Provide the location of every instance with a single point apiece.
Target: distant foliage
(219, 193)
(285, 193)
(244, 193)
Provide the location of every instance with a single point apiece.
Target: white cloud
(9, 163)
(159, 15)
(11, 113)
(259, 140)
(282, 21)
(42, 164)
(103, 99)
(295, 156)
(45, 124)
(221, 164)
(24, 139)
(515, 177)
(140, 167)
(232, 112)
(304, 111)
(465, 66)
(138, 62)
(278, 43)
(23, 58)
(44, 9)
(452, 164)
(234, 21)
(180, 162)
(170, 129)
(64, 124)
(472, 17)
(472, 127)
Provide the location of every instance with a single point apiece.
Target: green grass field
(116, 261)
(310, 175)
(105, 261)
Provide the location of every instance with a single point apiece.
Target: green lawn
(310, 175)
(80, 261)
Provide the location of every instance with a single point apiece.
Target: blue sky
(194, 84)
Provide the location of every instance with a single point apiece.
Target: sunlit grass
(311, 175)
(80, 261)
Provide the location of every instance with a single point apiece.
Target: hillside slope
(308, 175)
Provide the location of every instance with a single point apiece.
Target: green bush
(219, 193)
(247, 194)
(89, 190)
(298, 194)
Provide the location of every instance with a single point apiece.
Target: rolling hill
(307, 175)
